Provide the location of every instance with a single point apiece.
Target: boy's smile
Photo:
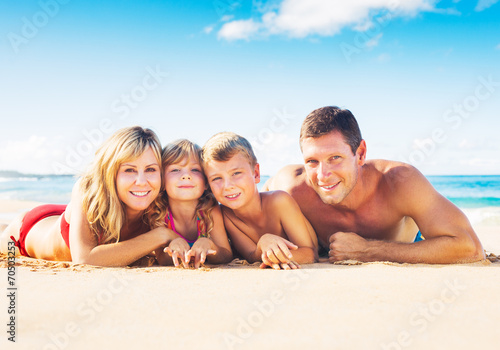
(233, 181)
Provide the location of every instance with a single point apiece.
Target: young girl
(116, 202)
(192, 211)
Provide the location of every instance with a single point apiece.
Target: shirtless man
(371, 210)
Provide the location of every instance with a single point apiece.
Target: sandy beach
(239, 306)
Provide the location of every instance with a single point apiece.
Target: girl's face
(185, 180)
(138, 182)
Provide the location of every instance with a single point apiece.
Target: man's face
(331, 168)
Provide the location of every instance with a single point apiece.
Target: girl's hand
(201, 248)
(177, 249)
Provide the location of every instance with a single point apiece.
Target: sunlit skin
(371, 210)
(263, 226)
(184, 181)
(138, 182)
(233, 182)
(331, 167)
(185, 184)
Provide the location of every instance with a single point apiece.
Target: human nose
(227, 184)
(185, 175)
(323, 172)
(141, 178)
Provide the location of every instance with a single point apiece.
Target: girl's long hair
(104, 210)
(175, 152)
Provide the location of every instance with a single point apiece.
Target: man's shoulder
(287, 178)
(397, 177)
(393, 171)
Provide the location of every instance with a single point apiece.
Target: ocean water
(477, 196)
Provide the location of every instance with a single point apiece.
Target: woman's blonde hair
(104, 210)
(175, 152)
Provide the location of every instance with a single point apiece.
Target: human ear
(361, 153)
(257, 173)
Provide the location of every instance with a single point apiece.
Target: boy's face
(233, 182)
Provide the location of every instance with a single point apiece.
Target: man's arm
(449, 237)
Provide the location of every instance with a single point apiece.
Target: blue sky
(421, 76)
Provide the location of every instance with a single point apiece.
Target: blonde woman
(193, 214)
(115, 215)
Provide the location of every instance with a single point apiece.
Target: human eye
(215, 178)
(151, 170)
(129, 170)
(311, 162)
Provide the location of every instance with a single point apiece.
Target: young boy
(262, 226)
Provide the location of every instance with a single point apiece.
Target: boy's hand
(292, 265)
(276, 252)
(177, 249)
(200, 249)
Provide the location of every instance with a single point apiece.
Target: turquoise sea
(478, 196)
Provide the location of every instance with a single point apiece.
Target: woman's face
(138, 182)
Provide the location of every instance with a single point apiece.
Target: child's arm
(253, 252)
(178, 251)
(215, 250)
(296, 227)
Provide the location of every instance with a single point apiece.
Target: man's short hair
(324, 120)
(224, 145)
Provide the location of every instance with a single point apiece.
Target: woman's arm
(84, 245)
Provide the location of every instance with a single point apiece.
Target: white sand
(322, 306)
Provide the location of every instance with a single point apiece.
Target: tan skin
(372, 210)
(44, 240)
(267, 227)
(185, 184)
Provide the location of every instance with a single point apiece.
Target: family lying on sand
(181, 203)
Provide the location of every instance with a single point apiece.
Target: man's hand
(347, 246)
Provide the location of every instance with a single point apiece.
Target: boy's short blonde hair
(224, 145)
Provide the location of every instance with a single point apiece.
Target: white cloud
(208, 30)
(374, 41)
(226, 18)
(300, 18)
(383, 58)
(484, 4)
(235, 30)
